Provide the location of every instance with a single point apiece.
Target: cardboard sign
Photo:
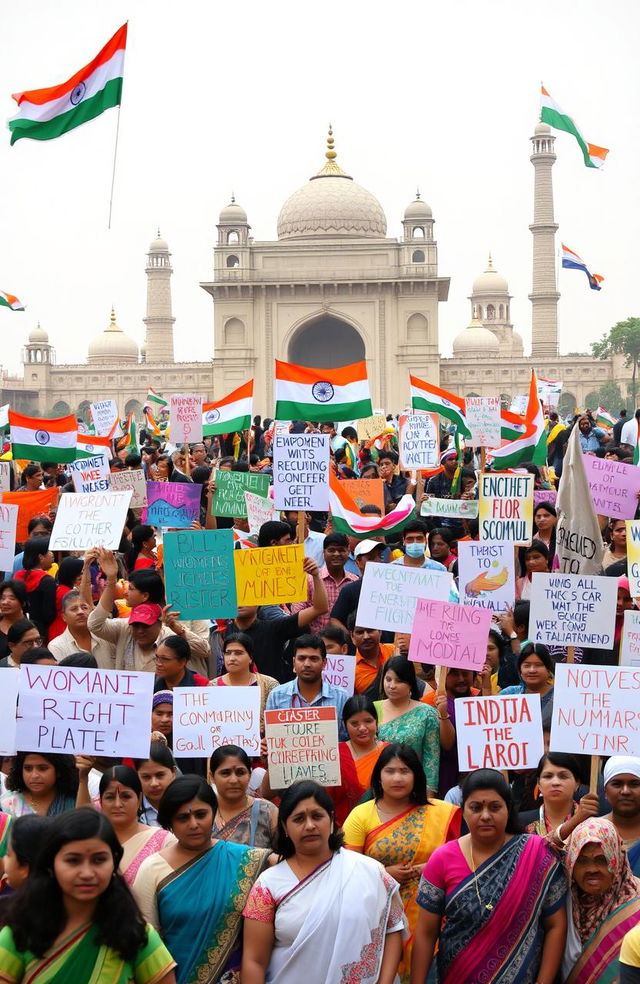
(419, 441)
(84, 712)
(371, 427)
(506, 507)
(630, 642)
(8, 523)
(90, 474)
(172, 504)
(458, 508)
(8, 711)
(228, 498)
(259, 510)
(446, 634)
(573, 610)
(486, 575)
(31, 504)
(89, 519)
(390, 592)
(301, 471)
(595, 710)
(483, 420)
(5, 476)
(614, 486)
(199, 573)
(302, 743)
(185, 418)
(134, 480)
(519, 404)
(204, 718)
(271, 575)
(544, 495)
(341, 672)
(499, 732)
(104, 414)
(366, 492)
(633, 555)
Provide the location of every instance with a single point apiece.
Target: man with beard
(622, 790)
(457, 684)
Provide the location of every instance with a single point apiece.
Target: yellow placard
(270, 575)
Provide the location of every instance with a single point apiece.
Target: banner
(185, 418)
(204, 718)
(366, 492)
(614, 486)
(390, 592)
(630, 643)
(446, 634)
(89, 519)
(90, 474)
(172, 504)
(260, 510)
(8, 522)
(104, 414)
(483, 420)
(506, 507)
(419, 441)
(499, 732)
(341, 672)
(228, 499)
(302, 743)
(596, 710)
(301, 471)
(133, 479)
(199, 573)
(271, 575)
(579, 546)
(486, 575)
(573, 610)
(458, 508)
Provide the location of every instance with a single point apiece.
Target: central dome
(332, 204)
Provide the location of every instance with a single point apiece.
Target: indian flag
(231, 413)
(604, 418)
(152, 424)
(346, 517)
(531, 446)
(322, 394)
(48, 113)
(154, 401)
(512, 426)
(10, 301)
(130, 437)
(551, 114)
(89, 444)
(425, 396)
(39, 439)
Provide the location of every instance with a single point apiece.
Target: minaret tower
(159, 320)
(544, 294)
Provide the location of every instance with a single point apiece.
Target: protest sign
(390, 592)
(486, 575)
(614, 486)
(5, 476)
(483, 420)
(506, 507)
(573, 610)
(579, 545)
(630, 642)
(172, 504)
(8, 710)
(302, 743)
(204, 718)
(543, 495)
(133, 479)
(185, 418)
(281, 426)
(228, 498)
(371, 427)
(341, 672)
(633, 555)
(259, 510)
(459, 508)
(90, 474)
(419, 440)
(8, 522)
(446, 634)
(519, 404)
(79, 711)
(301, 471)
(596, 710)
(104, 414)
(89, 519)
(499, 732)
(30, 504)
(271, 575)
(199, 573)
(365, 492)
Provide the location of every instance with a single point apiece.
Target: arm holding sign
(100, 621)
(198, 641)
(320, 602)
(447, 730)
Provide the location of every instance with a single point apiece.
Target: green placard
(229, 500)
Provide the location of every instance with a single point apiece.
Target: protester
(38, 526)
(68, 578)
(439, 541)
(545, 520)
(239, 817)
(558, 779)
(13, 601)
(240, 670)
(536, 561)
(617, 549)
(155, 774)
(332, 574)
(457, 683)
(630, 957)
(358, 755)
(535, 668)
(371, 654)
(40, 586)
(24, 839)
(77, 637)
(45, 783)
(414, 542)
(38, 656)
(367, 551)
(142, 555)
(22, 635)
(173, 654)
(621, 777)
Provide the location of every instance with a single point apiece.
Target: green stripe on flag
(449, 412)
(107, 98)
(226, 426)
(287, 410)
(561, 122)
(36, 452)
(340, 525)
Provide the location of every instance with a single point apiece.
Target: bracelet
(447, 718)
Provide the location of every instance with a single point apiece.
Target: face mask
(414, 549)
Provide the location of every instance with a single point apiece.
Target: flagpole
(115, 147)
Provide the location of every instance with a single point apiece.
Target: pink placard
(447, 634)
(614, 486)
(544, 495)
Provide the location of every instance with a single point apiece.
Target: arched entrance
(326, 343)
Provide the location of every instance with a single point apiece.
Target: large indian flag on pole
(48, 113)
(322, 394)
(10, 301)
(531, 446)
(39, 439)
(231, 413)
(346, 517)
(551, 114)
(425, 396)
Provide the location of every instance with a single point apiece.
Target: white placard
(301, 471)
(84, 712)
(596, 709)
(8, 709)
(419, 441)
(104, 414)
(483, 420)
(5, 476)
(341, 672)
(90, 474)
(204, 718)
(519, 404)
(390, 593)
(133, 479)
(185, 418)
(8, 522)
(630, 642)
(92, 519)
(486, 575)
(302, 743)
(259, 510)
(573, 610)
(499, 732)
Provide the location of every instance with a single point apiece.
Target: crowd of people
(163, 870)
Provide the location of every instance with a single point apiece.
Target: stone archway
(326, 343)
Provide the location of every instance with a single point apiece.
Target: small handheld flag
(571, 261)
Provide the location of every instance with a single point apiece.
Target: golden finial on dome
(112, 321)
(417, 194)
(330, 152)
(331, 168)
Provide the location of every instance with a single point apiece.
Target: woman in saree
(493, 901)
(239, 817)
(322, 913)
(401, 828)
(604, 903)
(558, 780)
(74, 920)
(195, 889)
(358, 755)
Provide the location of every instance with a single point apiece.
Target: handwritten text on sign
(630, 645)
(301, 471)
(446, 634)
(390, 592)
(499, 732)
(204, 718)
(596, 710)
(89, 519)
(483, 420)
(341, 672)
(8, 521)
(90, 474)
(271, 575)
(419, 440)
(506, 507)
(104, 414)
(633, 556)
(486, 574)
(185, 418)
(133, 479)
(460, 508)
(172, 504)
(259, 510)
(199, 572)
(228, 498)
(84, 712)
(573, 610)
(614, 486)
(302, 743)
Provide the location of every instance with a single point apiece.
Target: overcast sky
(238, 95)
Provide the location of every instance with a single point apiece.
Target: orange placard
(30, 504)
(366, 491)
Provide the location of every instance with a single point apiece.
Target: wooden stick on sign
(300, 526)
(595, 772)
(187, 462)
(571, 654)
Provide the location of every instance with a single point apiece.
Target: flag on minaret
(552, 115)
(571, 261)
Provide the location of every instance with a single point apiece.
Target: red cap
(147, 614)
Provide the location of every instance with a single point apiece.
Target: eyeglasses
(165, 659)
(30, 643)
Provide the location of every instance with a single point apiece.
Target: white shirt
(629, 433)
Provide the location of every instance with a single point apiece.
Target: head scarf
(620, 765)
(590, 911)
(162, 697)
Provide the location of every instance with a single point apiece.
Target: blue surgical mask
(415, 549)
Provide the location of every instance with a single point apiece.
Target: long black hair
(66, 773)
(139, 534)
(496, 782)
(37, 916)
(405, 670)
(291, 797)
(26, 836)
(406, 754)
(182, 790)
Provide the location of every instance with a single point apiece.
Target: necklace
(488, 905)
(224, 822)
